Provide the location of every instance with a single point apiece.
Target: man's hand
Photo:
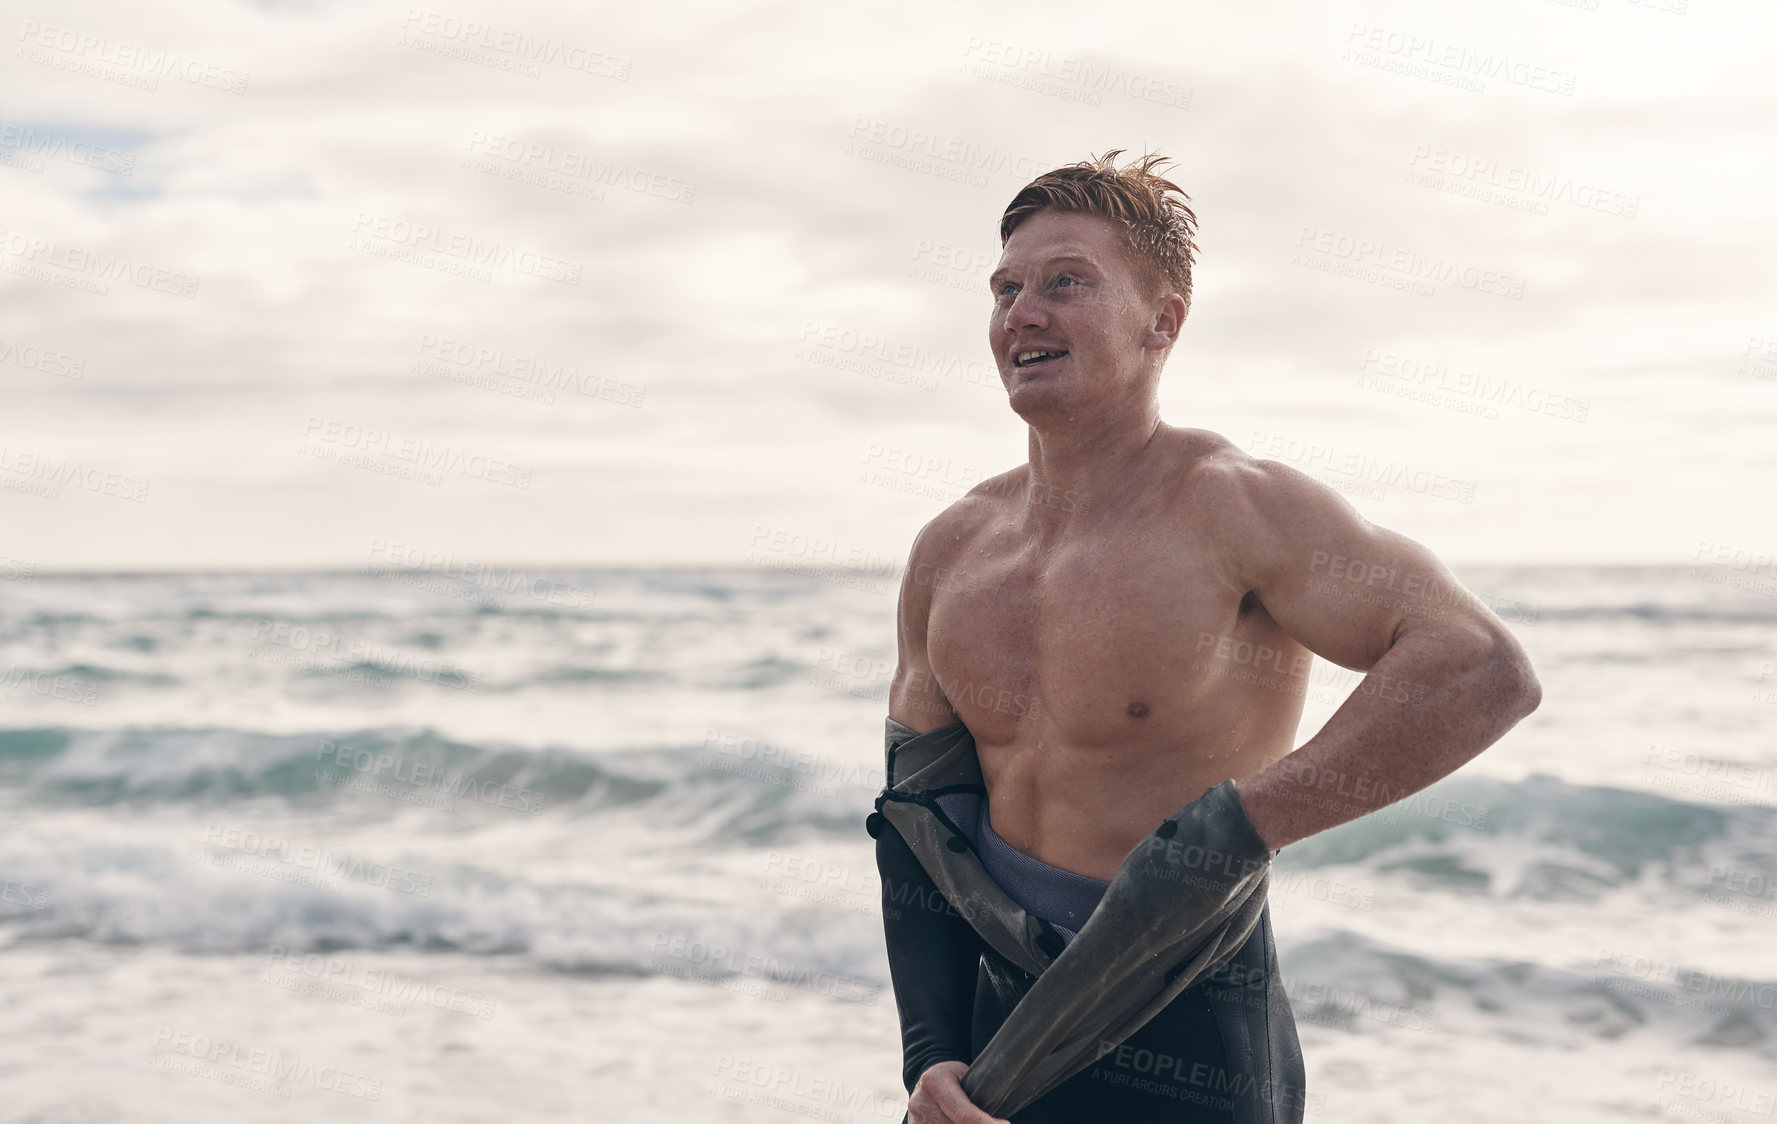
(938, 1098)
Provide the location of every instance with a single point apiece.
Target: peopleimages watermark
(1649, 976)
(262, 1070)
(453, 37)
(823, 559)
(1448, 64)
(918, 474)
(568, 170)
(850, 674)
(914, 148)
(1670, 7)
(1523, 189)
(517, 375)
(36, 144)
(1418, 379)
(890, 360)
(1767, 695)
(1760, 359)
(1192, 1080)
(26, 894)
(776, 763)
(950, 265)
(939, 477)
(75, 267)
(711, 960)
(821, 1098)
(32, 472)
(453, 252)
(122, 62)
(413, 458)
(388, 773)
(1735, 566)
(1362, 473)
(60, 687)
(317, 644)
(1384, 584)
(1326, 787)
(1322, 1003)
(1320, 888)
(807, 878)
(1750, 890)
(377, 989)
(1700, 774)
(1414, 587)
(1716, 1100)
(308, 864)
(443, 573)
(34, 357)
(924, 692)
(1068, 78)
(1375, 261)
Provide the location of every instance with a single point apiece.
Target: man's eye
(1065, 277)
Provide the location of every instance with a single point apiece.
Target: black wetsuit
(1223, 1051)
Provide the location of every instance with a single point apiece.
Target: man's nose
(1025, 311)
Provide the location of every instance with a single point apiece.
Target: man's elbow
(1515, 685)
(1529, 691)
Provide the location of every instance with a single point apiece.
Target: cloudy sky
(287, 284)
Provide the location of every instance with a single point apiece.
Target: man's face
(1065, 287)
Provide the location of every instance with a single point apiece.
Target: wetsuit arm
(934, 955)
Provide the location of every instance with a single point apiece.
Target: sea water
(468, 845)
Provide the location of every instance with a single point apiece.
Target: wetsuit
(1225, 1050)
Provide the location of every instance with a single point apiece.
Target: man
(1125, 622)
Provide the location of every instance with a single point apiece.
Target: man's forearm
(1425, 708)
(934, 955)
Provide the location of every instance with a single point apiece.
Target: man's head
(1152, 216)
(1096, 272)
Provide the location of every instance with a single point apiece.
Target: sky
(291, 285)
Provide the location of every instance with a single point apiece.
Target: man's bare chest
(1091, 637)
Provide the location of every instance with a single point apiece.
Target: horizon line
(321, 570)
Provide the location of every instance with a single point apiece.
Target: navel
(1138, 709)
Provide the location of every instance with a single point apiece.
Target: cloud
(773, 228)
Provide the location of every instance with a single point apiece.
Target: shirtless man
(1126, 620)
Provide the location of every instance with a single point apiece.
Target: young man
(1125, 622)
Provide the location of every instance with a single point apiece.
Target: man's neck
(1086, 462)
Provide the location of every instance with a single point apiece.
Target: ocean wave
(756, 789)
(1345, 981)
(1762, 611)
(237, 895)
(1538, 837)
(1544, 839)
(235, 889)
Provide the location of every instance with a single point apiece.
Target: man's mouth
(1032, 358)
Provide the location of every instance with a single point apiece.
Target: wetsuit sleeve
(934, 955)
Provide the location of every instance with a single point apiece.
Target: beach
(539, 845)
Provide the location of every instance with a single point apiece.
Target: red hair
(1158, 227)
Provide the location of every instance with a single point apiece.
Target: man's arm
(915, 698)
(934, 953)
(1446, 678)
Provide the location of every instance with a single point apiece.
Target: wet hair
(1158, 227)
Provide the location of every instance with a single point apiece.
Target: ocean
(468, 845)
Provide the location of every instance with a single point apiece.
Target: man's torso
(1112, 672)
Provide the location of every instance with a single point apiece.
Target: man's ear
(1168, 322)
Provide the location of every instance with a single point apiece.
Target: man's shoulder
(948, 532)
(1221, 477)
